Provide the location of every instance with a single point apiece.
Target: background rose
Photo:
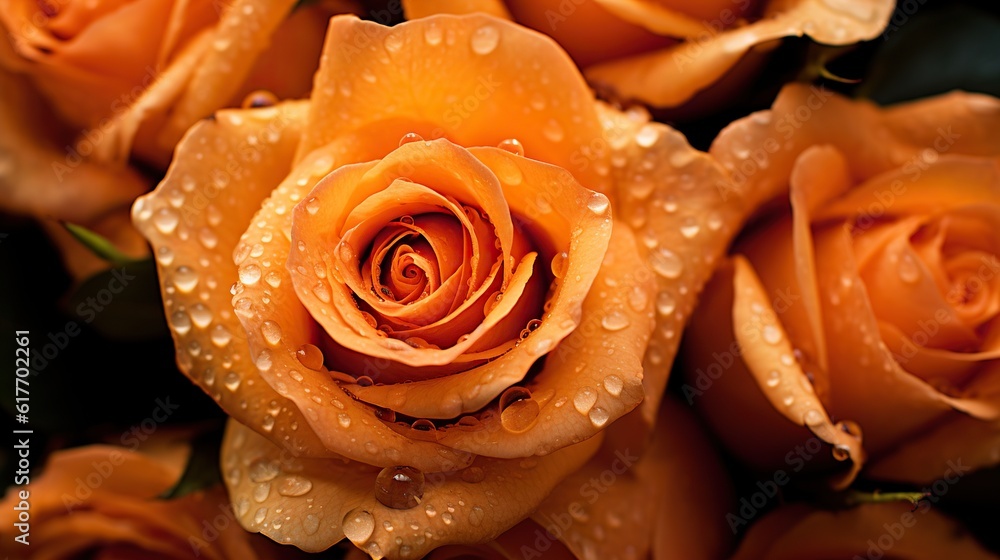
(664, 52)
(310, 177)
(102, 501)
(867, 531)
(873, 314)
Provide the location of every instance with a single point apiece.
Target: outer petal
(225, 168)
(684, 210)
(316, 502)
(760, 151)
(493, 92)
(672, 76)
(621, 506)
(796, 531)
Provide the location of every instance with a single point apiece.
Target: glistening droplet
(399, 487)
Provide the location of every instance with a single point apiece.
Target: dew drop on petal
(613, 385)
(249, 274)
(312, 205)
(473, 475)
(584, 399)
(666, 263)
(598, 204)
(294, 486)
(559, 264)
(771, 334)
(399, 487)
(358, 525)
(598, 417)
(518, 411)
(615, 321)
(512, 145)
(409, 138)
(271, 332)
(484, 40)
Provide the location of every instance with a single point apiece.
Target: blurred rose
(439, 289)
(103, 502)
(664, 52)
(889, 530)
(869, 307)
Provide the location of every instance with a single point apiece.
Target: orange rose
(140, 72)
(663, 52)
(870, 308)
(442, 291)
(102, 502)
(890, 530)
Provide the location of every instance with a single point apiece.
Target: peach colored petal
(759, 151)
(491, 95)
(277, 325)
(423, 8)
(225, 168)
(864, 373)
(684, 211)
(673, 75)
(623, 503)
(316, 502)
(38, 178)
(768, 355)
(659, 19)
(591, 378)
(797, 531)
(957, 122)
(537, 193)
(958, 440)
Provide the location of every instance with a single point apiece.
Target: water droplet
(249, 274)
(690, 227)
(321, 292)
(294, 486)
(344, 420)
(771, 333)
(271, 332)
(267, 424)
(598, 204)
(812, 418)
(666, 263)
(599, 417)
(263, 470)
(665, 303)
(399, 487)
(773, 378)
(473, 475)
(264, 360)
(476, 515)
(259, 515)
(358, 525)
(180, 322)
(208, 238)
(553, 131)
(647, 135)
(185, 278)
(615, 321)
(312, 205)
(432, 34)
(909, 270)
(512, 145)
(559, 264)
(518, 411)
(788, 400)
(584, 399)
(613, 385)
(201, 315)
(394, 42)
(166, 220)
(310, 524)
(409, 138)
(484, 40)
(231, 381)
(220, 336)
(262, 491)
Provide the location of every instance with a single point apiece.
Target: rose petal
(797, 531)
(767, 353)
(316, 502)
(243, 155)
(673, 75)
(277, 325)
(626, 508)
(660, 19)
(591, 378)
(538, 194)
(684, 211)
(488, 98)
(415, 9)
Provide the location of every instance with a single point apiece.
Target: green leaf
(99, 245)
(202, 470)
(935, 50)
